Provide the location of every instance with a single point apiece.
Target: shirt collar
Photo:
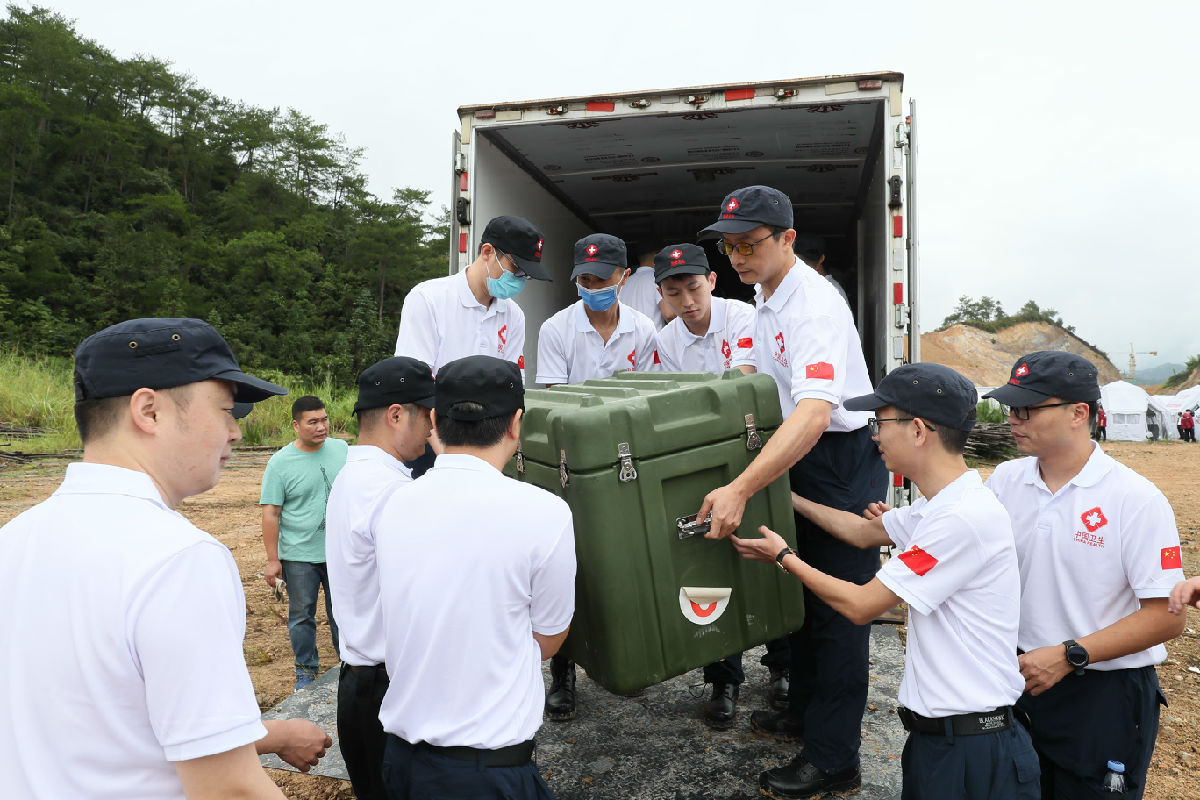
(953, 490)
(90, 478)
(468, 299)
(463, 461)
(583, 324)
(369, 452)
(787, 287)
(1098, 465)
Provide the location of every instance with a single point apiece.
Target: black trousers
(729, 669)
(1085, 721)
(360, 734)
(985, 766)
(414, 772)
(830, 655)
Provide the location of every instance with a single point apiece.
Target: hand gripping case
(633, 455)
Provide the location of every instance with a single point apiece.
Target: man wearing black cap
(122, 623)
(477, 580)
(811, 250)
(1099, 554)
(598, 335)
(712, 334)
(805, 339)
(957, 570)
(394, 398)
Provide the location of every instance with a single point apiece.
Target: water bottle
(1113, 784)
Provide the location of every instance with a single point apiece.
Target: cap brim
(242, 410)
(1016, 396)
(533, 269)
(865, 402)
(249, 389)
(684, 270)
(728, 226)
(424, 402)
(600, 270)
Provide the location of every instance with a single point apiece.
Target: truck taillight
(598, 106)
(462, 182)
(897, 293)
(462, 243)
(738, 94)
(485, 113)
(870, 84)
(897, 479)
(897, 226)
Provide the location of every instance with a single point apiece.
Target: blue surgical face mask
(599, 299)
(506, 286)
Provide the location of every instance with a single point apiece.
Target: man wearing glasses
(1098, 552)
(806, 339)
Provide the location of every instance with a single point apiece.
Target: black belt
(960, 724)
(374, 669)
(515, 755)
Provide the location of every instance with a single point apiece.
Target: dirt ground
(230, 513)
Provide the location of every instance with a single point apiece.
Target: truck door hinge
(628, 473)
(753, 440)
(563, 478)
(902, 134)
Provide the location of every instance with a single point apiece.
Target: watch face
(1077, 656)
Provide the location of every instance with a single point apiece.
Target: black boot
(800, 779)
(782, 725)
(721, 710)
(560, 700)
(777, 692)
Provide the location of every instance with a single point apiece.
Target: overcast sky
(1057, 150)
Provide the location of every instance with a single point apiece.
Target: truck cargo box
(633, 455)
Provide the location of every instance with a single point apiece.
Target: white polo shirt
(350, 550)
(471, 565)
(805, 339)
(441, 321)
(121, 638)
(641, 294)
(728, 343)
(1089, 553)
(957, 570)
(570, 350)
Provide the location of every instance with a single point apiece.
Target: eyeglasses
(516, 268)
(742, 248)
(1022, 412)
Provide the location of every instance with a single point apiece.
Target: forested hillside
(128, 190)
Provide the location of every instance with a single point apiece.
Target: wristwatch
(787, 551)
(1077, 655)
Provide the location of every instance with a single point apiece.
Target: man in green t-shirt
(295, 488)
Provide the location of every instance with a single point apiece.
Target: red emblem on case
(703, 611)
(918, 560)
(732, 205)
(1093, 519)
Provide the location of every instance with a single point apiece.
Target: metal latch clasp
(562, 468)
(689, 527)
(753, 440)
(520, 462)
(628, 473)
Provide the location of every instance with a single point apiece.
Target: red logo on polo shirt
(632, 355)
(821, 369)
(1171, 558)
(779, 338)
(656, 358)
(520, 362)
(746, 343)
(918, 560)
(502, 335)
(591, 249)
(1093, 519)
(778, 354)
(726, 350)
(676, 254)
(732, 205)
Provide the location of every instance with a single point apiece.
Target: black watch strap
(1077, 655)
(787, 551)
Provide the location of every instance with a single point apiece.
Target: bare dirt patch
(230, 513)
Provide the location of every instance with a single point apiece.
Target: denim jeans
(303, 581)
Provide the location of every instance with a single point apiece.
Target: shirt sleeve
(418, 336)
(514, 350)
(647, 348)
(187, 626)
(742, 334)
(938, 559)
(1150, 547)
(272, 485)
(553, 585)
(552, 357)
(818, 357)
(662, 346)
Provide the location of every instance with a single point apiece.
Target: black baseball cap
(926, 390)
(599, 254)
(493, 383)
(809, 248)
(1049, 373)
(521, 240)
(745, 209)
(159, 353)
(398, 379)
(680, 259)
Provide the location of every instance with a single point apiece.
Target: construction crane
(1133, 361)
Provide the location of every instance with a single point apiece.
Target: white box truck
(652, 166)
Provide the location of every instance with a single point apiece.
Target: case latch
(753, 440)
(628, 473)
(562, 468)
(689, 527)
(520, 462)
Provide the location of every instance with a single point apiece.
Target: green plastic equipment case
(633, 455)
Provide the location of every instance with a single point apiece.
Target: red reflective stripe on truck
(897, 293)
(462, 243)
(897, 479)
(596, 106)
(897, 226)
(462, 182)
(738, 94)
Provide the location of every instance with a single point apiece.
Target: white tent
(1125, 405)
(1164, 412)
(1189, 397)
